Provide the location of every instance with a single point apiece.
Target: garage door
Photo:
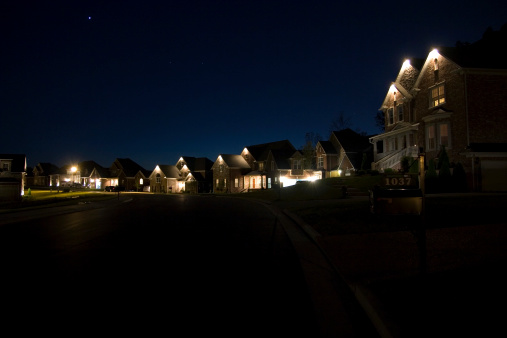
(494, 175)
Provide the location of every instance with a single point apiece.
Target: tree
(430, 178)
(380, 121)
(459, 178)
(340, 123)
(308, 150)
(444, 173)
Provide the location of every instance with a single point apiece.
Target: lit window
(437, 95)
(236, 183)
(217, 182)
(141, 181)
(443, 134)
(225, 183)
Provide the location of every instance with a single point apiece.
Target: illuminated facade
(455, 98)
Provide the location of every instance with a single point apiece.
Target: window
(141, 181)
(221, 168)
(437, 135)
(443, 134)
(269, 182)
(296, 164)
(400, 112)
(430, 135)
(320, 162)
(437, 95)
(261, 166)
(6, 167)
(390, 116)
(217, 183)
(158, 178)
(225, 183)
(236, 182)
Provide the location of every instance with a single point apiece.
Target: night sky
(156, 80)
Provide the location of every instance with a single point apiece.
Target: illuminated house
(12, 176)
(228, 173)
(261, 166)
(196, 174)
(455, 98)
(346, 152)
(165, 178)
(128, 174)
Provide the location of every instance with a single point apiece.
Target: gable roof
(86, 167)
(130, 168)
(487, 53)
(260, 152)
(170, 171)
(234, 161)
(328, 147)
(46, 168)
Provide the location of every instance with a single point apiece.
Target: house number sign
(400, 181)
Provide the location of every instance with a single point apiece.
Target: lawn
(40, 198)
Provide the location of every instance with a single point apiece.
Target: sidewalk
(462, 291)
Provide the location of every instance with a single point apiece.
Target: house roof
(18, 164)
(131, 168)
(46, 168)
(170, 171)
(328, 147)
(352, 141)
(235, 161)
(86, 167)
(260, 152)
(487, 53)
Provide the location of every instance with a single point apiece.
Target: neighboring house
(100, 178)
(228, 173)
(344, 153)
(12, 176)
(275, 163)
(261, 166)
(196, 174)
(456, 98)
(86, 168)
(165, 179)
(42, 172)
(127, 173)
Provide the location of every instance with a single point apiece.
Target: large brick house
(456, 98)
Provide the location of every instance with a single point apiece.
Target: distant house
(228, 173)
(344, 153)
(12, 176)
(196, 173)
(126, 173)
(455, 99)
(165, 178)
(261, 166)
(42, 172)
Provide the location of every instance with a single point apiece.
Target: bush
(431, 178)
(459, 178)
